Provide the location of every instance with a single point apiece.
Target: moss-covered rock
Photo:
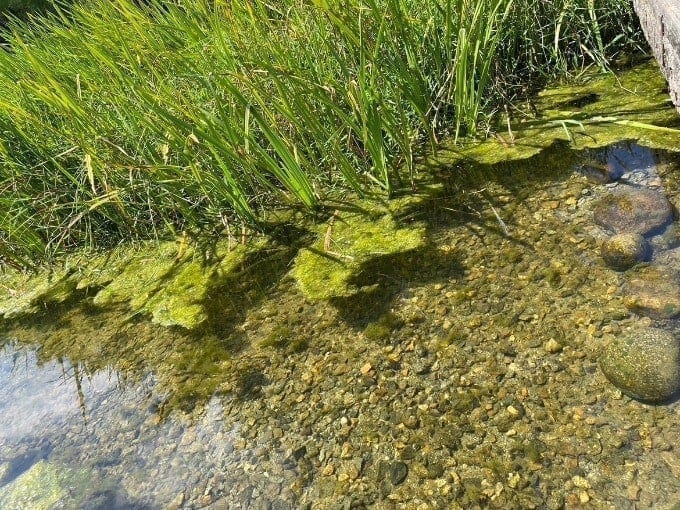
(623, 251)
(43, 486)
(644, 364)
(637, 211)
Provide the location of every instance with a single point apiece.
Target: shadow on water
(382, 278)
(191, 367)
(465, 194)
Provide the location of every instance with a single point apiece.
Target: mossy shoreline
(174, 282)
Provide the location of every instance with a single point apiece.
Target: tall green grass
(122, 119)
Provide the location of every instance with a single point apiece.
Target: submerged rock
(654, 291)
(644, 364)
(638, 211)
(623, 251)
(43, 486)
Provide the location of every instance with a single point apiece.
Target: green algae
(170, 282)
(325, 270)
(25, 294)
(602, 110)
(44, 486)
(381, 330)
(142, 276)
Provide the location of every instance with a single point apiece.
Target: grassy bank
(120, 121)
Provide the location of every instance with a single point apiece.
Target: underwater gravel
(466, 378)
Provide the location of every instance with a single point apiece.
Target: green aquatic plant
(382, 329)
(325, 270)
(127, 120)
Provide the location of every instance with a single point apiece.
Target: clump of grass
(124, 119)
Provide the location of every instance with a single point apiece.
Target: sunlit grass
(120, 120)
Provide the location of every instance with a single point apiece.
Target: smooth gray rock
(636, 211)
(644, 364)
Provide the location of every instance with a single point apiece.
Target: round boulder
(623, 251)
(638, 211)
(644, 364)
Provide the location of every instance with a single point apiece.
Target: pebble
(553, 346)
(623, 251)
(398, 472)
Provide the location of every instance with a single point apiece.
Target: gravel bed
(466, 378)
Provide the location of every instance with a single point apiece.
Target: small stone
(421, 367)
(583, 497)
(623, 251)
(638, 211)
(580, 482)
(644, 364)
(328, 470)
(411, 422)
(398, 472)
(178, 501)
(552, 346)
(634, 492)
(346, 451)
(366, 368)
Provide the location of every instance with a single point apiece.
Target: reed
(125, 119)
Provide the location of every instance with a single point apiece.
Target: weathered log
(660, 20)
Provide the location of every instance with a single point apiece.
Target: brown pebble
(634, 492)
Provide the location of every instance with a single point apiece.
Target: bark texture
(660, 20)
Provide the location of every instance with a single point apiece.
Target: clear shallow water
(468, 376)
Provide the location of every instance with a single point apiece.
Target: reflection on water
(105, 429)
(466, 375)
(47, 397)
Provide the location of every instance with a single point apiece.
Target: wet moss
(283, 337)
(325, 270)
(45, 486)
(632, 105)
(381, 330)
(25, 294)
(142, 276)
(279, 337)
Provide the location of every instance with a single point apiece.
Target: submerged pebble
(644, 364)
(623, 251)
